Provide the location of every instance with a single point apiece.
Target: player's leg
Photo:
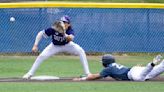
(47, 52)
(146, 71)
(141, 75)
(150, 67)
(157, 70)
(138, 73)
(74, 48)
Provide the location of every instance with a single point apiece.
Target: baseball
(12, 19)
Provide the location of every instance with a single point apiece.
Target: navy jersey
(116, 71)
(58, 38)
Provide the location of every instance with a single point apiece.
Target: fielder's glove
(59, 27)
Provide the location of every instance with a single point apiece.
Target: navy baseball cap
(65, 18)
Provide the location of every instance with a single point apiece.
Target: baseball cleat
(157, 59)
(27, 76)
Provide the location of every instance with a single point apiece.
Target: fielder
(62, 41)
(120, 72)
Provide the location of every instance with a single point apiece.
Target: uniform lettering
(117, 66)
(59, 38)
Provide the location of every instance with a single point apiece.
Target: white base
(44, 77)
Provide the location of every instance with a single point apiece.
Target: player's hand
(79, 79)
(76, 79)
(35, 48)
(69, 37)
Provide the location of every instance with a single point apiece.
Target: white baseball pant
(157, 70)
(52, 49)
(138, 73)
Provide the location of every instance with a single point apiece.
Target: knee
(80, 51)
(42, 56)
(161, 64)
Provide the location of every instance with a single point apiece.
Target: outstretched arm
(37, 40)
(89, 77)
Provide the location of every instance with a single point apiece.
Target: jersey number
(117, 66)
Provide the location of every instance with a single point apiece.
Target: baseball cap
(65, 18)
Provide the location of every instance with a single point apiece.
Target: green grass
(83, 87)
(116, 1)
(59, 65)
(67, 66)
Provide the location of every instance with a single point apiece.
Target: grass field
(67, 66)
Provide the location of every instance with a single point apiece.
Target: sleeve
(39, 37)
(49, 32)
(105, 72)
(70, 32)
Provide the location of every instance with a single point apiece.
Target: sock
(152, 64)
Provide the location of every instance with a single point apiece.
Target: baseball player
(62, 41)
(120, 72)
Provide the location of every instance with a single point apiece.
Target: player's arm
(89, 77)
(44, 33)
(104, 73)
(37, 40)
(69, 37)
(93, 76)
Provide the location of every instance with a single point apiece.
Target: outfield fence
(99, 27)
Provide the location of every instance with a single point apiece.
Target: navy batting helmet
(107, 59)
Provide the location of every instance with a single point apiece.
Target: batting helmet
(107, 59)
(65, 18)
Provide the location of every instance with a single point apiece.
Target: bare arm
(37, 40)
(89, 77)
(93, 76)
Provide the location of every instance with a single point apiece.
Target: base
(44, 77)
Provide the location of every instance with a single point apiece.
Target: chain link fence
(96, 30)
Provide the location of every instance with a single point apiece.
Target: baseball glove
(59, 27)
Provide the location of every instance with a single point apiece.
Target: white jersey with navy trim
(58, 38)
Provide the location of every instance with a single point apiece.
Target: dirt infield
(65, 79)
